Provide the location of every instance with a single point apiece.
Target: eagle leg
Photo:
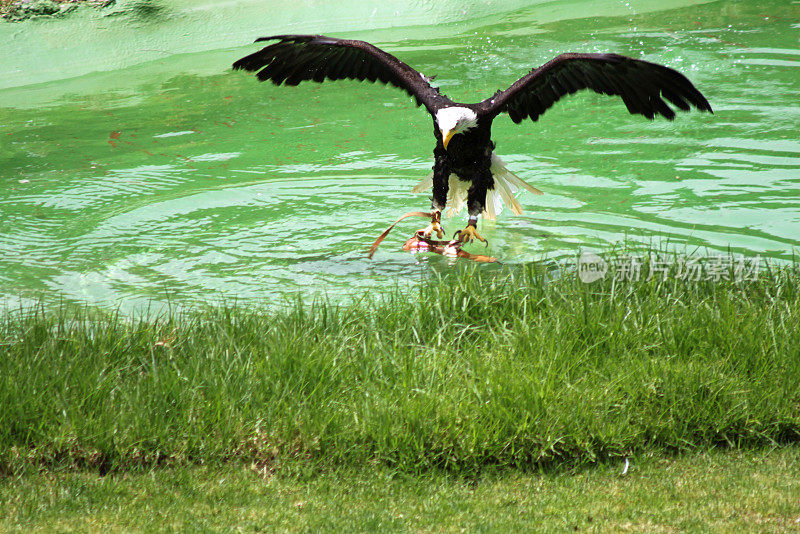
(476, 202)
(441, 175)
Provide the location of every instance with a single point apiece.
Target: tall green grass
(508, 368)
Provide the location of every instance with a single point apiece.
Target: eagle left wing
(643, 86)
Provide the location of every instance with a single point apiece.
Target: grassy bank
(481, 369)
(754, 491)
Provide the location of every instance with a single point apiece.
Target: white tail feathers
(506, 185)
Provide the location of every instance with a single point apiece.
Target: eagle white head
(455, 120)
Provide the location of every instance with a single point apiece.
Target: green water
(137, 167)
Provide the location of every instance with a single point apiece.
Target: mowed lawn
(721, 491)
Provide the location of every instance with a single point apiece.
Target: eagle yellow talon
(431, 228)
(434, 226)
(468, 234)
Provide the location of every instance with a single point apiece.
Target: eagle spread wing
(296, 58)
(643, 86)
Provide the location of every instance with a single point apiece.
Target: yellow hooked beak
(446, 136)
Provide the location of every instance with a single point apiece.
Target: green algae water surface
(136, 167)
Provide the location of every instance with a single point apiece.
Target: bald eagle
(465, 168)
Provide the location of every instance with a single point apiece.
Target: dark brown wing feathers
(643, 86)
(296, 58)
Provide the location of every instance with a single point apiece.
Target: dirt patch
(19, 10)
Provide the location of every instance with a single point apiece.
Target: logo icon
(591, 267)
